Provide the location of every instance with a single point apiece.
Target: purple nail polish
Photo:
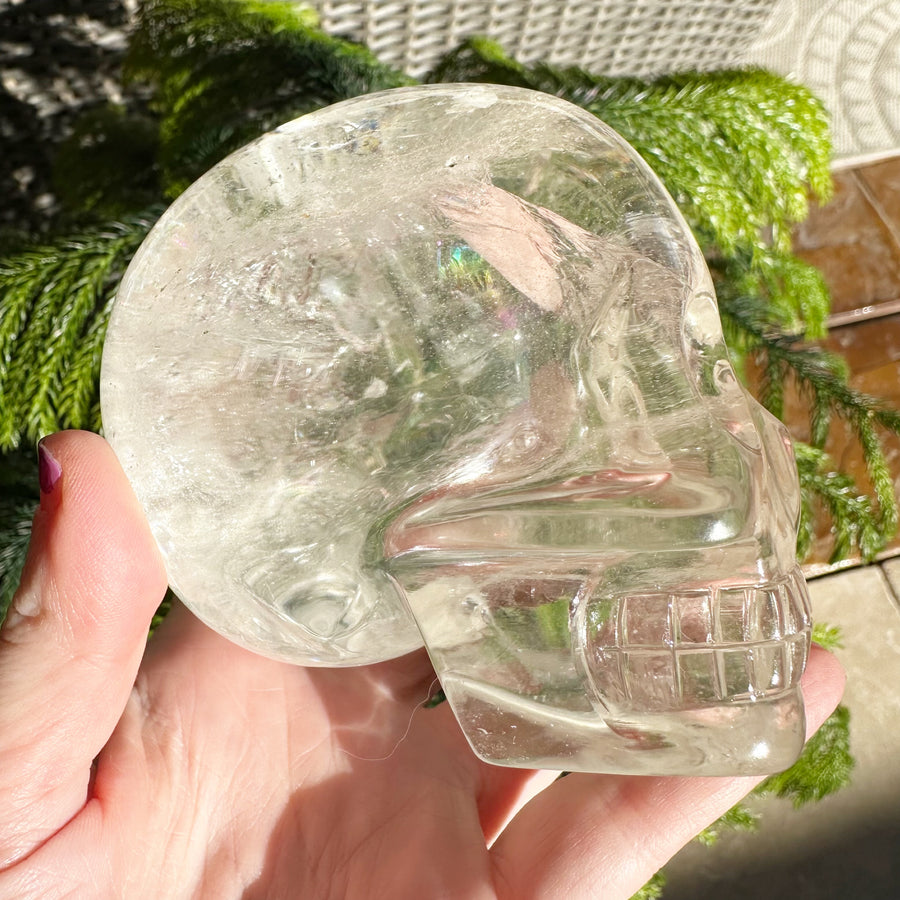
(49, 470)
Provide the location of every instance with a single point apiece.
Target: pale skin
(190, 768)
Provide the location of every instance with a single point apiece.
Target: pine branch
(162, 610)
(747, 173)
(855, 524)
(738, 150)
(653, 889)
(738, 818)
(222, 68)
(827, 636)
(14, 537)
(822, 379)
(18, 501)
(226, 71)
(54, 304)
(107, 167)
(792, 292)
(825, 766)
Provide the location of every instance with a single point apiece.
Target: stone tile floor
(847, 845)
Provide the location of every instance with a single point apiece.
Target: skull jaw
(743, 738)
(550, 672)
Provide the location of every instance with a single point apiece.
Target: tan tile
(872, 352)
(882, 180)
(789, 840)
(867, 345)
(863, 605)
(848, 212)
(859, 273)
(891, 569)
(853, 247)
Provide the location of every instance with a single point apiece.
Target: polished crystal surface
(444, 365)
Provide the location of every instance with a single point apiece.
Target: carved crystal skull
(444, 365)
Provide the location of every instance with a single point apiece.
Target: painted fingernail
(49, 469)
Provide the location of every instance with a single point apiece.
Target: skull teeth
(682, 650)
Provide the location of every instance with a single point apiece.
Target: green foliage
(224, 72)
(553, 622)
(827, 636)
(55, 303)
(162, 611)
(16, 533)
(825, 766)
(747, 149)
(738, 818)
(736, 149)
(854, 522)
(436, 699)
(749, 146)
(822, 380)
(18, 501)
(653, 889)
(739, 151)
(107, 167)
(792, 292)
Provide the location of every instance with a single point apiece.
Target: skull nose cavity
(687, 649)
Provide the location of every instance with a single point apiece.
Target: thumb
(73, 638)
(596, 835)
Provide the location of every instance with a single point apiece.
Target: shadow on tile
(859, 863)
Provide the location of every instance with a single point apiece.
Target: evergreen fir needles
(53, 314)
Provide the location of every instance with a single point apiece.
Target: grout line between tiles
(862, 160)
(874, 202)
(878, 310)
(889, 587)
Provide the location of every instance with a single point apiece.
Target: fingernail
(49, 470)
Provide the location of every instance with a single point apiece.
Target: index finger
(73, 639)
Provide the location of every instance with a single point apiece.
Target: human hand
(197, 769)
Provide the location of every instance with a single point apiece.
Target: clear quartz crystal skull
(444, 364)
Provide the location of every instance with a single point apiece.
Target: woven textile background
(848, 52)
(616, 37)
